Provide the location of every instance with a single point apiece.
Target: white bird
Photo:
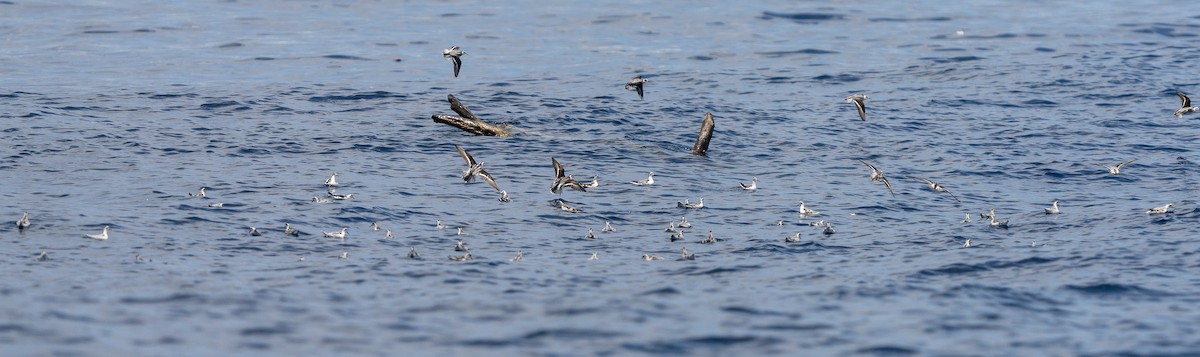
(337, 234)
(828, 229)
(999, 224)
(683, 223)
(1185, 105)
(460, 231)
(795, 238)
(877, 175)
(412, 253)
(688, 205)
(649, 257)
(332, 180)
(375, 226)
(460, 246)
(344, 255)
(937, 187)
(1160, 210)
(967, 219)
(967, 244)
(216, 205)
(805, 211)
(752, 186)
(255, 232)
(200, 194)
(595, 256)
(710, 239)
(43, 256)
(454, 54)
(562, 180)
(504, 196)
(23, 222)
(646, 182)
(338, 196)
(1053, 209)
(439, 224)
(595, 183)
(289, 230)
(685, 254)
(475, 169)
(461, 258)
(608, 227)
(1116, 169)
(859, 101)
(676, 236)
(591, 235)
(671, 227)
(388, 235)
(103, 235)
(320, 200)
(519, 257)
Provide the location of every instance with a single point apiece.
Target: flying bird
(454, 55)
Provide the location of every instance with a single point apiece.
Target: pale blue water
(113, 111)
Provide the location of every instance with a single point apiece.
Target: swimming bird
(817, 223)
(685, 254)
(337, 234)
(289, 230)
(936, 187)
(877, 175)
(388, 235)
(460, 231)
(1160, 210)
(23, 222)
(752, 186)
(454, 54)
(999, 224)
(1186, 105)
(216, 205)
(683, 223)
(795, 238)
(200, 194)
(255, 232)
(591, 235)
(595, 183)
(1053, 208)
(671, 227)
(968, 219)
(563, 205)
(475, 169)
(967, 244)
(676, 236)
(461, 258)
(649, 257)
(338, 196)
(344, 255)
(137, 258)
(504, 197)
(595, 256)
(43, 256)
(332, 180)
(460, 246)
(649, 180)
(828, 229)
(990, 215)
(806, 212)
(688, 205)
(710, 239)
(103, 235)
(562, 180)
(375, 226)
(519, 257)
(608, 227)
(859, 101)
(439, 224)
(1116, 169)
(412, 253)
(320, 200)
(637, 83)
(780, 223)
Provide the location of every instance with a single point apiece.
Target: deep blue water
(114, 111)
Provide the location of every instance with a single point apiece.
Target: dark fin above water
(706, 131)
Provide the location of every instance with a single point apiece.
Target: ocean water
(112, 112)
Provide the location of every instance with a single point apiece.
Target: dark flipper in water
(706, 131)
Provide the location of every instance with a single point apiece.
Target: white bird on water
(103, 235)
(412, 253)
(332, 180)
(23, 222)
(683, 223)
(1116, 169)
(200, 194)
(805, 211)
(289, 230)
(255, 232)
(1053, 209)
(1160, 209)
(337, 234)
(752, 186)
(608, 227)
(646, 182)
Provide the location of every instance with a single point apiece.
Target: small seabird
(817, 223)
(590, 234)
(460, 246)
(828, 229)
(1160, 210)
(780, 223)
(689, 205)
(504, 197)
(1116, 169)
(567, 207)
(519, 257)
(317, 199)
(967, 244)
(805, 211)
(649, 257)
(1053, 208)
(43, 256)
(200, 194)
(388, 235)
(562, 180)
(332, 180)
(289, 230)
(1033, 244)
(461, 258)
(936, 187)
(255, 232)
(344, 255)
(23, 222)
(671, 227)
(439, 225)
(103, 235)
(676, 236)
(795, 238)
(967, 219)
(998, 224)
(375, 226)
(646, 182)
(412, 253)
(595, 256)
(337, 234)
(454, 54)
(475, 169)
(637, 83)
(990, 215)
(752, 186)
(683, 223)
(216, 205)
(859, 101)
(710, 239)
(607, 227)
(595, 182)
(301, 258)
(877, 175)
(460, 231)
(137, 258)
(338, 196)
(1186, 105)
(685, 254)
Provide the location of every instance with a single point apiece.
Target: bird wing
(1120, 165)
(488, 177)
(466, 157)
(873, 169)
(1187, 102)
(457, 65)
(888, 185)
(558, 168)
(862, 108)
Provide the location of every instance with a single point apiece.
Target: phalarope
(1053, 209)
(710, 239)
(289, 230)
(504, 197)
(375, 226)
(595, 182)
(43, 256)
(689, 205)
(460, 231)
(967, 219)
(795, 238)
(519, 257)
(474, 169)
(388, 235)
(591, 235)
(937, 187)
(344, 255)
(338, 196)
(676, 236)
(461, 258)
(1164, 209)
(255, 232)
(563, 205)
(460, 246)
(317, 199)
(1185, 105)
(200, 194)
(859, 101)
(23, 222)
(990, 215)
(216, 205)
(454, 54)
(752, 186)
(562, 180)
(967, 244)
(337, 234)
(828, 229)
(439, 224)
(595, 256)
(685, 254)
(137, 258)
(636, 84)
(817, 223)
(332, 180)
(1116, 169)
(806, 212)
(103, 235)
(412, 253)
(649, 180)
(649, 257)
(999, 224)
(608, 227)
(683, 223)
(877, 175)
(671, 227)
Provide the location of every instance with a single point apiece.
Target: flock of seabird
(563, 180)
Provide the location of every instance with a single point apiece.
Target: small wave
(1116, 290)
(802, 17)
